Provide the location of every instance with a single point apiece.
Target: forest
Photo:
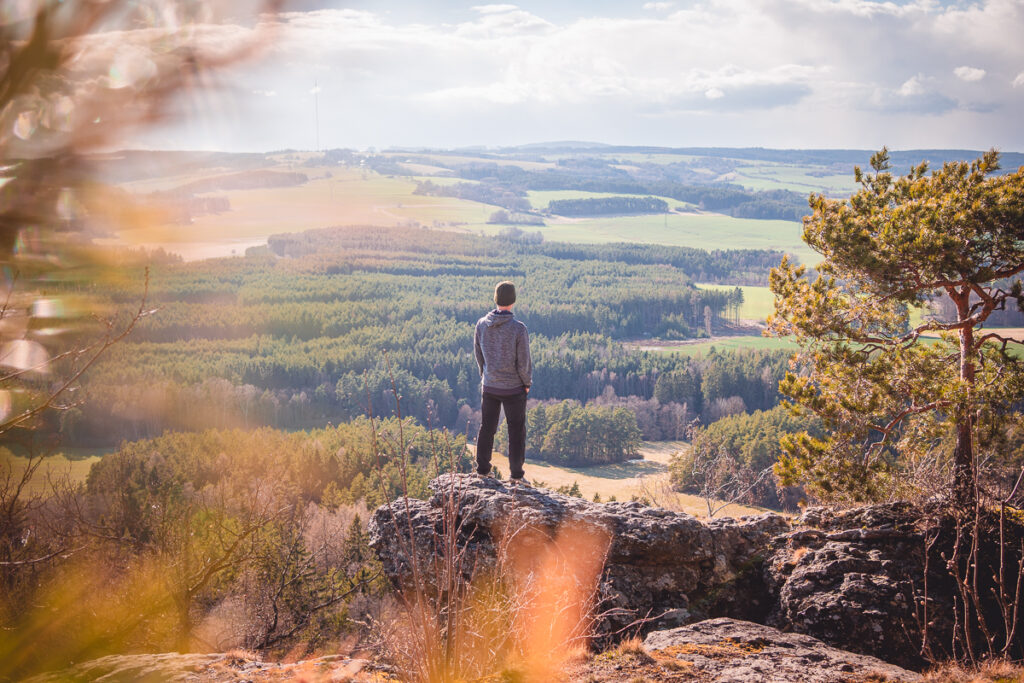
(605, 206)
(321, 326)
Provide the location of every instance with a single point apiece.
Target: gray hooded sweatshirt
(502, 348)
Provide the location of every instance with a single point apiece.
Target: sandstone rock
(130, 668)
(740, 652)
(663, 566)
(210, 668)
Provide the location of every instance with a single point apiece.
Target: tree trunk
(963, 454)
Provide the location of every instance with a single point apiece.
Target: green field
(770, 176)
(702, 348)
(758, 302)
(700, 231)
(344, 197)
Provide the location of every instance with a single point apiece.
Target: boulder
(660, 568)
(741, 652)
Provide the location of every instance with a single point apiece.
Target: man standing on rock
(502, 348)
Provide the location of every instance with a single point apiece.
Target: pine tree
(884, 393)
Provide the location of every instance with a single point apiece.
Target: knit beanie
(505, 294)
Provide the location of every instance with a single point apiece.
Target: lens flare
(22, 355)
(26, 124)
(558, 578)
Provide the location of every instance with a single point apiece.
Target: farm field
(724, 343)
(624, 480)
(758, 302)
(75, 468)
(655, 158)
(804, 179)
(347, 196)
(457, 159)
(700, 231)
(729, 343)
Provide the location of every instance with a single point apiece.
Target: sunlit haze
(776, 73)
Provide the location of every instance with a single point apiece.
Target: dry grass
(646, 478)
(993, 671)
(632, 647)
(798, 553)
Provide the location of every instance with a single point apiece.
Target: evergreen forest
(328, 326)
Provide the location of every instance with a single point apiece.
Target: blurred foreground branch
(79, 78)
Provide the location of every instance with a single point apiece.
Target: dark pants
(515, 415)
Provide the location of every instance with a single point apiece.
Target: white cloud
(918, 95)
(867, 63)
(265, 93)
(969, 73)
(315, 89)
(911, 87)
(494, 9)
(502, 21)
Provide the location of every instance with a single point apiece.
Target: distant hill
(818, 157)
(575, 145)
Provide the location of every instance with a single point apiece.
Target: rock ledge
(743, 652)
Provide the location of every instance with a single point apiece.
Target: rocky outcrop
(855, 580)
(744, 652)
(663, 568)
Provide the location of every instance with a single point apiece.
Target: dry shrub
(306, 561)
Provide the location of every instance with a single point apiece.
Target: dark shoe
(520, 481)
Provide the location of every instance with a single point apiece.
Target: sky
(768, 73)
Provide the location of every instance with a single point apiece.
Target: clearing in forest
(646, 477)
